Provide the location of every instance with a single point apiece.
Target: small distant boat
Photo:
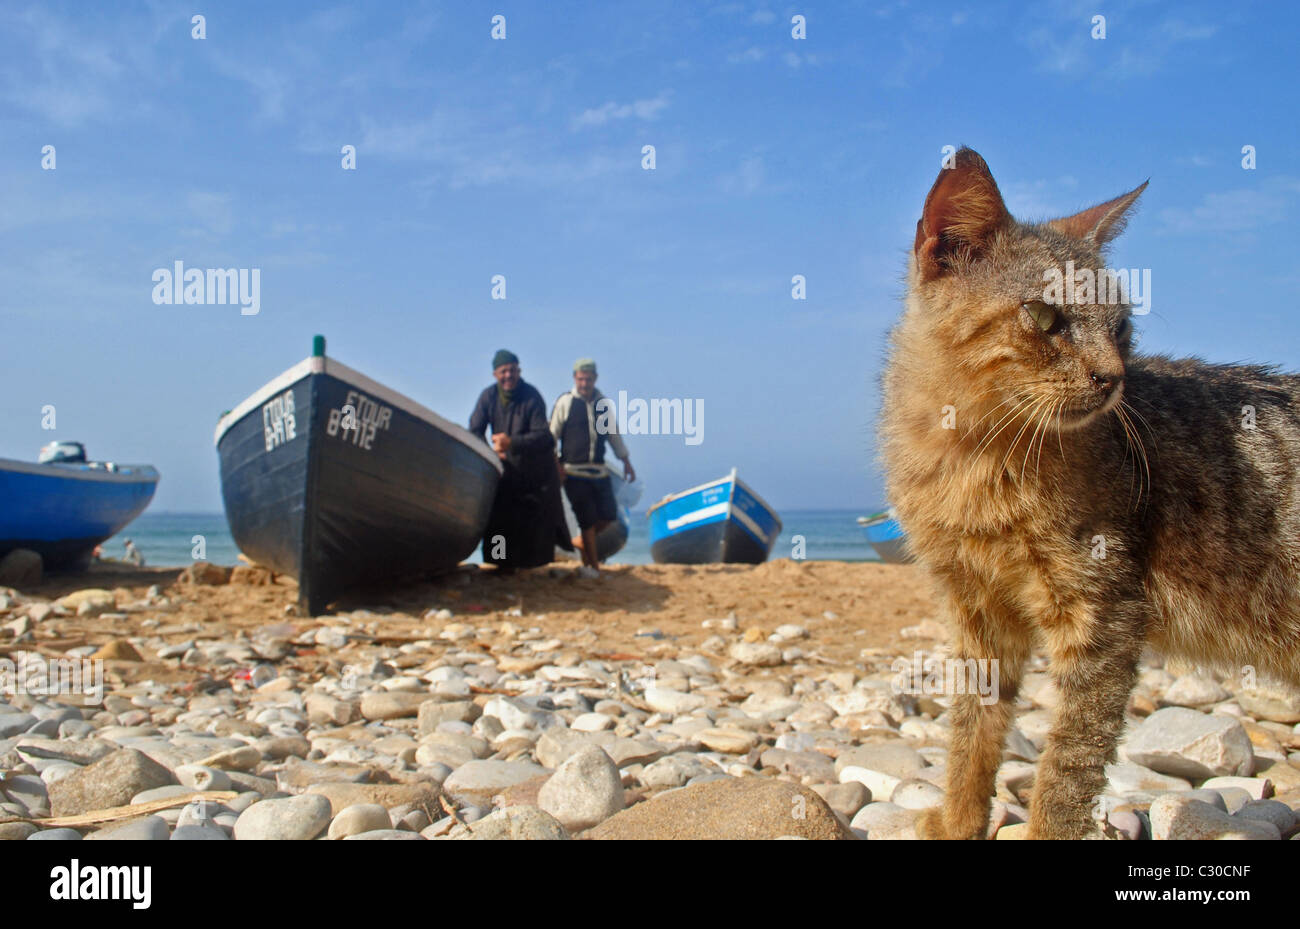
(339, 481)
(63, 506)
(611, 540)
(721, 521)
(886, 537)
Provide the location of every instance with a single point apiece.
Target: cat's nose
(1106, 381)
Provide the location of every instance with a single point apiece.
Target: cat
(1063, 490)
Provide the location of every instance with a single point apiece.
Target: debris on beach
(720, 703)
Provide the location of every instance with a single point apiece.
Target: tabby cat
(1066, 491)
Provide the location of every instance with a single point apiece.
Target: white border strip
(286, 380)
(696, 515)
(318, 365)
(671, 497)
(764, 504)
(753, 527)
(403, 402)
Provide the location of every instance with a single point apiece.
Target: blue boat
(721, 521)
(341, 482)
(64, 506)
(886, 537)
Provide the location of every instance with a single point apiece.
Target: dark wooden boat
(721, 521)
(339, 481)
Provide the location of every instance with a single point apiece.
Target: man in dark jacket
(527, 515)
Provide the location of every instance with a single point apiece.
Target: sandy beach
(632, 610)
(658, 701)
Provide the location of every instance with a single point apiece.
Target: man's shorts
(592, 500)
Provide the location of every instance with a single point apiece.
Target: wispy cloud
(1244, 209)
(640, 109)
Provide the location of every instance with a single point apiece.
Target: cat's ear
(1102, 222)
(962, 211)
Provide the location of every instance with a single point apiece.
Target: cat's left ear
(1102, 222)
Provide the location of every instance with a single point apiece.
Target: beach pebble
(516, 822)
(200, 777)
(1175, 816)
(758, 654)
(672, 702)
(12, 724)
(1194, 690)
(359, 818)
(916, 794)
(845, 799)
(585, 790)
(1126, 777)
(727, 808)
(111, 781)
(879, 783)
(884, 820)
(728, 741)
(11, 832)
(1272, 702)
(1270, 811)
(490, 777)
(55, 835)
(1184, 743)
(300, 817)
(150, 828)
(1126, 823)
(593, 722)
(199, 832)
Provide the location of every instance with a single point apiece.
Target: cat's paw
(1069, 829)
(929, 825)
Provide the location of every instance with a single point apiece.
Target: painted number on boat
(278, 424)
(359, 420)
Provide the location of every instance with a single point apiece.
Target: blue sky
(522, 157)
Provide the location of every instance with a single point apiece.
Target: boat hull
(340, 482)
(889, 540)
(612, 539)
(720, 522)
(62, 511)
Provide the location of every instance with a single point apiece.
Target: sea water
(173, 539)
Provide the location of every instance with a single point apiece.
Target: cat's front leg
(979, 725)
(1094, 665)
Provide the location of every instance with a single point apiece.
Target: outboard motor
(63, 451)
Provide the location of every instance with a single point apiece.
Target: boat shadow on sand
(551, 588)
(103, 574)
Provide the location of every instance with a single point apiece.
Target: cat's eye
(1044, 316)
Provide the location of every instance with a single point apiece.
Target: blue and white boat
(721, 521)
(63, 506)
(886, 537)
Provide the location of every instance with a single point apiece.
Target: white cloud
(1245, 209)
(640, 109)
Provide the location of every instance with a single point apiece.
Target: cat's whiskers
(1146, 463)
(1016, 441)
(999, 427)
(977, 422)
(1038, 461)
